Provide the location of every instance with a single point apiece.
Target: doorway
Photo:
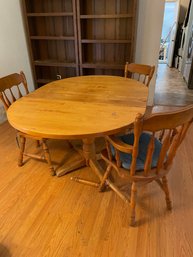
(171, 88)
(169, 29)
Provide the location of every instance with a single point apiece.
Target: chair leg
(161, 135)
(22, 148)
(17, 140)
(37, 143)
(167, 193)
(106, 175)
(133, 203)
(47, 157)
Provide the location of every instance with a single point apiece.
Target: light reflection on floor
(171, 89)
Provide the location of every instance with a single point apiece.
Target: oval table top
(79, 107)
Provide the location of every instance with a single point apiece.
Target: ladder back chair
(140, 157)
(13, 87)
(140, 72)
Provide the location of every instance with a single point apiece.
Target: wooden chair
(11, 88)
(141, 72)
(140, 158)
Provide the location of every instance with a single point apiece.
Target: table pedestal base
(72, 164)
(86, 153)
(91, 160)
(71, 167)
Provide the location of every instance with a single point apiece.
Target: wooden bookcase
(52, 32)
(79, 37)
(106, 30)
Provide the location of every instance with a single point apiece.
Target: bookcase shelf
(106, 31)
(50, 14)
(79, 37)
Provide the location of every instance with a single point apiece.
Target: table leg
(71, 167)
(91, 160)
(89, 150)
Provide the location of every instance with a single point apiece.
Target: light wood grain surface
(79, 107)
(44, 216)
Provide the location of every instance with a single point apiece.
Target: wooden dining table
(84, 107)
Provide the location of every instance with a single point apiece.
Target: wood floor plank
(171, 88)
(44, 216)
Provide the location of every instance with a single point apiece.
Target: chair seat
(143, 146)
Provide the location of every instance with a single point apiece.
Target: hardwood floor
(171, 88)
(44, 216)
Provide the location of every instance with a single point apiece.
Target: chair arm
(119, 144)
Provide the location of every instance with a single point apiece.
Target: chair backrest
(175, 126)
(140, 72)
(10, 88)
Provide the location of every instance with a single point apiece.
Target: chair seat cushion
(143, 146)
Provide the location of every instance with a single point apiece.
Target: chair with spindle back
(140, 157)
(12, 87)
(140, 72)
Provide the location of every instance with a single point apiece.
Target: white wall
(183, 9)
(13, 48)
(150, 19)
(184, 3)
